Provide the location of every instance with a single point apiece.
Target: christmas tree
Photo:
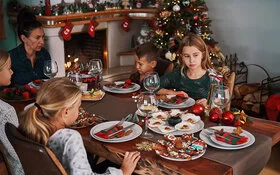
(175, 19)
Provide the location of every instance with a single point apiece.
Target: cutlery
(119, 123)
(124, 129)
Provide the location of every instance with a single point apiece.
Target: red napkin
(105, 133)
(230, 138)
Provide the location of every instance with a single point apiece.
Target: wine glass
(95, 68)
(76, 78)
(50, 68)
(221, 96)
(151, 81)
(147, 104)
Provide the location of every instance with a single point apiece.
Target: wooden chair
(34, 157)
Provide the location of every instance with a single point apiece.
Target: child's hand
(202, 101)
(129, 162)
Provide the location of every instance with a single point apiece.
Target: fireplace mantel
(118, 40)
(84, 18)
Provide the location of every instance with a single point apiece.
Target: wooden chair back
(34, 157)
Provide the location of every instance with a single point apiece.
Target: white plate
(163, 115)
(122, 91)
(137, 130)
(193, 117)
(180, 160)
(186, 104)
(179, 126)
(196, 127)
(204, 135)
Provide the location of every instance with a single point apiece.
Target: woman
(56, 107)
(28, 58)
(191, 78)
(8, 114)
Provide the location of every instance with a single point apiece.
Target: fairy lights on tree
(175, 19)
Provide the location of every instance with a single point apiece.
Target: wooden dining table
(249, 160)
(215, 161)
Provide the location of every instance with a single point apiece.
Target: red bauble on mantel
(197, 109)
(228, 118)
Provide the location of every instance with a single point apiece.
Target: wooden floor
(273, 165)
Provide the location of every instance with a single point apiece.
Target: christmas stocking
(125, 23)
(91, 28)
(66, 31)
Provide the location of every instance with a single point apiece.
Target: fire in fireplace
(82, 48)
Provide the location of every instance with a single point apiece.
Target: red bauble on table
(198, 109)
(214, 117)
(215, 110)
(228, 118)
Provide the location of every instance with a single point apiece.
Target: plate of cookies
(183, 148)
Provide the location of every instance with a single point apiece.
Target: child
(8, 114)
(56, 107)
(191, 78)
(147, 60)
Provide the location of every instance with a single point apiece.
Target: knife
(125, 128)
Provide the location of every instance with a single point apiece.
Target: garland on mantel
(46, 9)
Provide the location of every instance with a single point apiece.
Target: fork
(119, 123)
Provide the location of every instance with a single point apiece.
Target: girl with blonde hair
(8, 114)
(56, 107)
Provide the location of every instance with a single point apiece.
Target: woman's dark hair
(27, 22)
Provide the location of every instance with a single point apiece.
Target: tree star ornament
(205, 35)
(188, 26)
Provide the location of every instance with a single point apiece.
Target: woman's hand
(129, 162)
(202, 101)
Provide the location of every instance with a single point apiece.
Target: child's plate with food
(136, 131)
(176, 101)
(121, 87)
(93, 95)
(207, 133)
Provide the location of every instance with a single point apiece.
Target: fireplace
(83, 48)
(117, 40)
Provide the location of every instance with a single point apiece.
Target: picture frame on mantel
(2, 23)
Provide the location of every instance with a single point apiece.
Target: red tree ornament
(228, 118)
(91, 28)
(198, 109)
(66, 31)
(125, 23)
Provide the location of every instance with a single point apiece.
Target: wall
(11, 38)
(251, 29)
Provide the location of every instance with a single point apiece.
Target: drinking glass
(95, 68)
(151, 81)
(50, 68)
(147, 104)
(221, 96)
(76, 78)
